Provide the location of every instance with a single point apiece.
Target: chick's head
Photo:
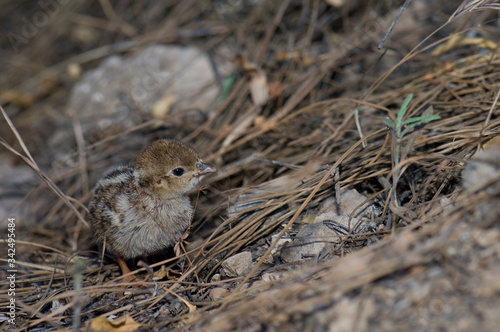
(169, 168)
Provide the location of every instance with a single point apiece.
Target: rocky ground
(328, 212)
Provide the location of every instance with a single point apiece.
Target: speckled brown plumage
(138, 211)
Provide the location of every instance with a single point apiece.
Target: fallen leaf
(258, 88)
(122, 324)
(161, 273)
(162, 106)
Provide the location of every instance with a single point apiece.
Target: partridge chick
(138, 211)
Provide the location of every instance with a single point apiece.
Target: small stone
(483, 168)
(237, 265)
(309, 242)
(215, 278)
(273, 276)
(218, 293)
(280, 243)
(350, 201)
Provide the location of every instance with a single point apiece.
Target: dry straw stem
(455, 136)
(325, 286)
(465, 129)
(261, 172)
(456, 131)
(28, 159)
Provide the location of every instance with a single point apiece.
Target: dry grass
(277, 164)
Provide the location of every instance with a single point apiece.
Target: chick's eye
(178, 171)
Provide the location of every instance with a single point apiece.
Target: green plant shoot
(401, 127)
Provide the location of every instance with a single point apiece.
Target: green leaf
(411, 126)
(226, 87)
(403, 109)
(389, 123)
(428, 118)
(421, 119)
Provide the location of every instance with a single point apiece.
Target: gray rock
(115, 95)
(237, 265)
(309, 242)
(350, 201)
(483, 169)
(352, 215)
(218, 293)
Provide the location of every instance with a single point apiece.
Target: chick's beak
(204, 169)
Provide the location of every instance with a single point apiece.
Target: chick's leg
(126, 270)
